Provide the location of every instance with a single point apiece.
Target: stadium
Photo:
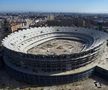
(53, 55)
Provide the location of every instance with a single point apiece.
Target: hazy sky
(92, 6)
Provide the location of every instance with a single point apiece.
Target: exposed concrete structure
(52, 68)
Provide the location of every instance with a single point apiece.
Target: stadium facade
(52, 68)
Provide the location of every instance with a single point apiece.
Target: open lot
(58, 46)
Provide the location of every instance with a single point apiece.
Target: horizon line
(53, 12)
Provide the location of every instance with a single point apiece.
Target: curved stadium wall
(52, 69)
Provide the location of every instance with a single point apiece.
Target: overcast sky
(87, 6)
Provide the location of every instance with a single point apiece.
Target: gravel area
(58, 47)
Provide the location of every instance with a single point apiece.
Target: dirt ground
(58, 47)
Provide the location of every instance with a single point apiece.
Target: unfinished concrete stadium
(53, 55)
